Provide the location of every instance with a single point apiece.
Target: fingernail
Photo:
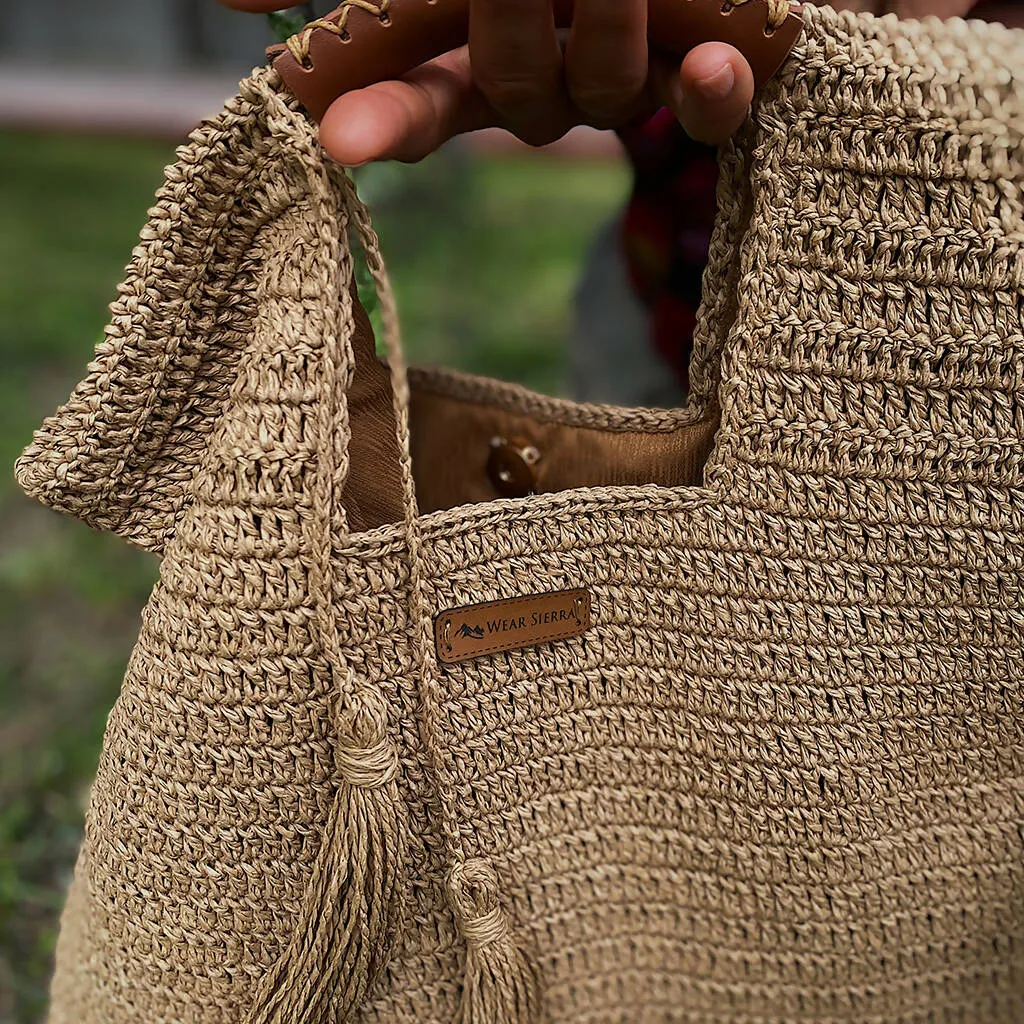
(719, 85)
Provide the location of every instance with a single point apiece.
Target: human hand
(519, 73)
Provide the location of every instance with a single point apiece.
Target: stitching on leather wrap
(337, 22)
(778, 11)
(298, 44)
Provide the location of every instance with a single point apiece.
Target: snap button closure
(511, 467)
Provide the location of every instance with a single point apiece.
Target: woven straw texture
(782, 777)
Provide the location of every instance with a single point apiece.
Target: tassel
(350, 909)
(500, 985)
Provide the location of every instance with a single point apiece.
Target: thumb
(710, 92)
(409, 118)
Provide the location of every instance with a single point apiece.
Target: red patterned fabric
(667, 229)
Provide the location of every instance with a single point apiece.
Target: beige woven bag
(755, 753)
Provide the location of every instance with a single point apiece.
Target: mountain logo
(510, 624)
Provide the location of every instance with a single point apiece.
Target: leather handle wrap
(411, 32)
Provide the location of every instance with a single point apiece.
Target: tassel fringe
(342, 941)
(500, 984)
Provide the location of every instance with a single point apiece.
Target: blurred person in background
(638, 297)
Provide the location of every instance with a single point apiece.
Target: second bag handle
(367, 41)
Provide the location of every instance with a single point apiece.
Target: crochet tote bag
(721, 723)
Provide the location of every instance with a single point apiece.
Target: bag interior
(475, 441)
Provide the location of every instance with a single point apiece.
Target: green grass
(484, 256)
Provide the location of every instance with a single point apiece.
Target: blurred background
(485, 242)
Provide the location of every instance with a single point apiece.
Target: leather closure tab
(476, 630)
(386, 42)
(512, 467)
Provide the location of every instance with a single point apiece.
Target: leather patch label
(479, 629)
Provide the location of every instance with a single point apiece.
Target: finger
(258, 6)
(407, 119)
(710, 93)
(517, 64)
(606, 57)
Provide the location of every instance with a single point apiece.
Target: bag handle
(368, 41)
(351, 907)
(500, 983)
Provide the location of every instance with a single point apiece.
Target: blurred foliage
(284, 24)
(484, 255)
